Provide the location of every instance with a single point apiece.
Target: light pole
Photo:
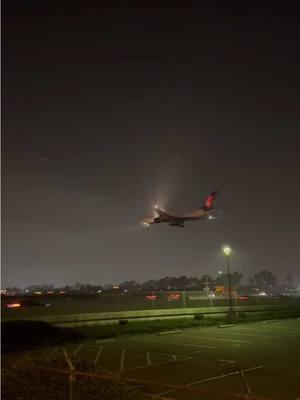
(231, 313)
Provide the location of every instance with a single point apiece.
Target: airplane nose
(146, 222)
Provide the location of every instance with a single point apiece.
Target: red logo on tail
(210, 199)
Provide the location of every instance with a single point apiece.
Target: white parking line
(157, 364)
(105, 340)
(213, 378)
(77, 350)
(279, 327)
(218, 339)
(122, 360)
(228, 361)
(176, 343)
(148, 358)
(251, 334)
(98, 355)
(23, 357)
(268, 328)
(53, 352)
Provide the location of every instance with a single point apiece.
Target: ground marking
(261, 328)
(228, 361)
(236, 345)
(213, 378)
(148, 358)
(157, 364)
(177, 343)
(77, 350)
(251, 334)
(174, 357)
(225, 375)
(53, 352)
(105, 340)
(287, 373)
(292, 329)
(98, 355)
(23, 357)
(219, 339)
(122, 360)
(269, 321)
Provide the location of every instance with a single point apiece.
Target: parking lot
(261, 358)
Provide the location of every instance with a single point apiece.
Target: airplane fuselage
(205, 212)
(180, 219)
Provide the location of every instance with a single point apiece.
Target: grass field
(207, 360)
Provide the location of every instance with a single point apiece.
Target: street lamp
(230, 314)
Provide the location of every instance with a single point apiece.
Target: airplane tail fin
(209, 201)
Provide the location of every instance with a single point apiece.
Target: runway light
(210, 217)
(151, 297)
(13, 305)
(227, 251)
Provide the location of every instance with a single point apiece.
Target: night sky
(109, 110)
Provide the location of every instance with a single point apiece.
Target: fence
(137, 300)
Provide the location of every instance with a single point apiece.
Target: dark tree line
(263, 280)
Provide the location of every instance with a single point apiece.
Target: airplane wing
(162, 213)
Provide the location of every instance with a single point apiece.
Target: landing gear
(180, 224)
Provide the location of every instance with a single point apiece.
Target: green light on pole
(231, 313)
(227, 251)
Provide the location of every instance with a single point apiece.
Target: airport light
(227, 251)
(230, 314)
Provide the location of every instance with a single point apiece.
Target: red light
(13, 305)
(210, 199)
(242, 298)
(174, 296)
(151, 297)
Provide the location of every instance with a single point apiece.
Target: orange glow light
(13, 305)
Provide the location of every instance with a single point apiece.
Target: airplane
(205, 212)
